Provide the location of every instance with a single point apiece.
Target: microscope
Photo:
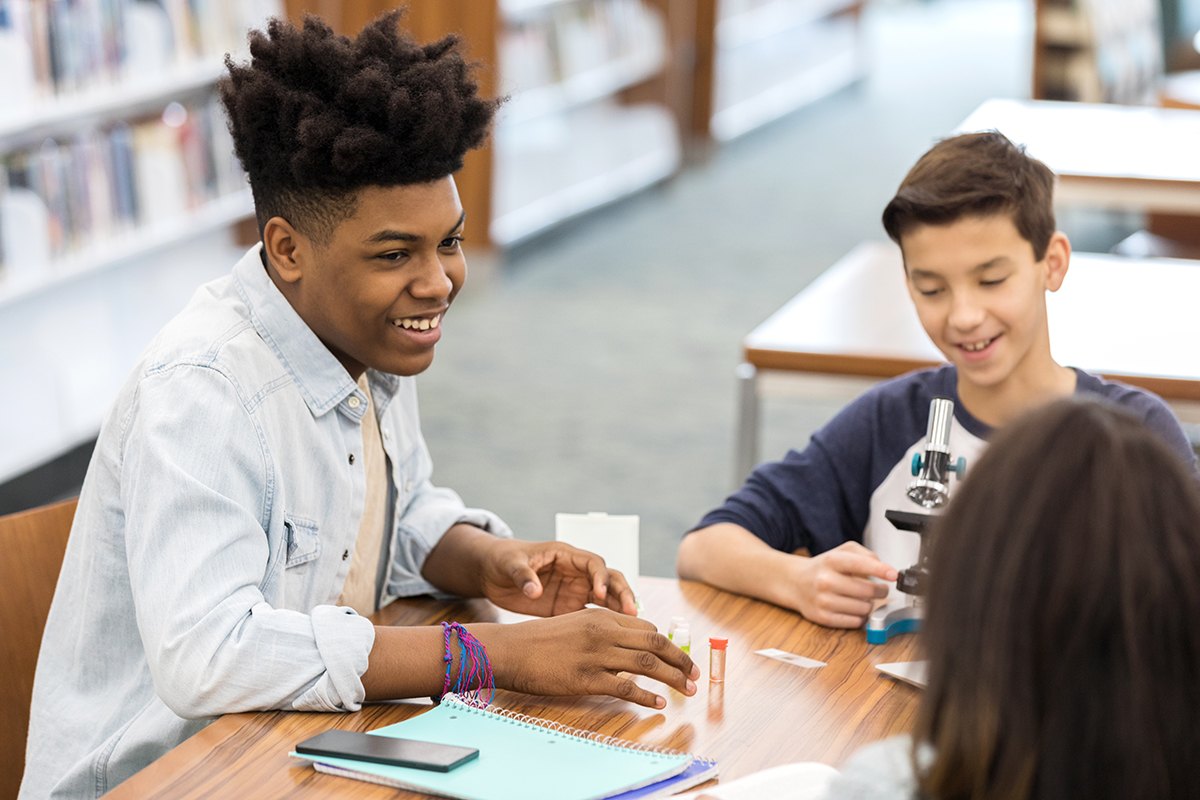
(929, 489)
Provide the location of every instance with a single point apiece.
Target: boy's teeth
(419, 324)
(977, 346)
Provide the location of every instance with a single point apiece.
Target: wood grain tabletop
(765, 713)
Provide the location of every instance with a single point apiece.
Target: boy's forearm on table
(409, 661)
(405, 662)
(732, 558)
(456, 563)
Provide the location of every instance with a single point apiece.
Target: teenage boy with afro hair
(974, 219)
(263, 477)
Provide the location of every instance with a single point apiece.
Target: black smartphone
(387, 750)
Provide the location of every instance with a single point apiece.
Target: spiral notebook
(525, 758)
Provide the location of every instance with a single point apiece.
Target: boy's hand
(585, 653)
(549, 578)
(835, 589)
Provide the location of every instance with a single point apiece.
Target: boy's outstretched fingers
(594, 651)
(615, 592)
(609, 587)
(652, 650)
(647, 652)
(627, 689)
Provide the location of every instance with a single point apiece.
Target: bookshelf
(66, 350)
(22, 124)
(1097, 51)
(606, 97)
(118, 196)
(1112, 51)
(570, 139)
(592, 113)
(212, 217)
(758, 60)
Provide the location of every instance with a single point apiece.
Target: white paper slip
(914, 672)
(789, 658)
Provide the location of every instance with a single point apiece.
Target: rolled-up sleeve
(339, 634)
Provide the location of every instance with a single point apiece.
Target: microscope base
(892, 620)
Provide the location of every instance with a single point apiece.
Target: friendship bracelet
(474, 668)
(449, 659)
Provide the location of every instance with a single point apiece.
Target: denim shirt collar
(321, 379)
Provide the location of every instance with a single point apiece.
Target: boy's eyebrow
(913, 272)
(994, 262)
(391, 235)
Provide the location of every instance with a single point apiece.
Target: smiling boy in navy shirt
(975, 223)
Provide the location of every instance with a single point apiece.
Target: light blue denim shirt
(213, 536)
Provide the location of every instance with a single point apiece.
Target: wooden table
(1133, 320)
(766, 713)
(1106, 156)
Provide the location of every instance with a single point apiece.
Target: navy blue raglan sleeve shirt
(820, 497)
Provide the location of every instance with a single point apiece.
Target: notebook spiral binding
(566, 730)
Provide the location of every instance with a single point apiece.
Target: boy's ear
(285, 248)
(1057, 260)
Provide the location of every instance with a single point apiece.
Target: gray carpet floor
(592, 369)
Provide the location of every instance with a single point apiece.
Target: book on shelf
(526, 758)
(103, 182)
(72, 46)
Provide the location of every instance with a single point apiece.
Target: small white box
(613, 537)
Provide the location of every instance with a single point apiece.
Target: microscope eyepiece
(930, 488)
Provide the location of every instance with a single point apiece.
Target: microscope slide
(913, 672)
(789, 658)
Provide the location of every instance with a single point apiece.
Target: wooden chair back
(32, 544)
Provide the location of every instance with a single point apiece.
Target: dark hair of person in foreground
(1063, 625)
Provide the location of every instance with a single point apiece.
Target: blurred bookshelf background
(119, 192)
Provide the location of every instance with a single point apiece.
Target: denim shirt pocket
(303, 540)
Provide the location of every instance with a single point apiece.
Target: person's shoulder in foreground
(1060, 623)
(975, 223)
(882, 770)
(262, 475)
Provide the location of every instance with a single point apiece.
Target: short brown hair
(1062, 628)
(976, 174)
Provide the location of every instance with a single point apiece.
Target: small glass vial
(674, 626)
(683, 638)
(716, 659)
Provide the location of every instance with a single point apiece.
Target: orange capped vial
(716, 659)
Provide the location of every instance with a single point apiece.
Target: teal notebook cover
(520, 758)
